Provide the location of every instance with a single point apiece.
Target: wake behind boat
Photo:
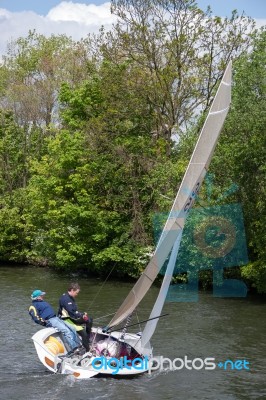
(116, 352)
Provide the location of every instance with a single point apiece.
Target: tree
(12, 154)
(182, 52)
(242, 151)
(131, 169)
(32, 73)
(83, 192)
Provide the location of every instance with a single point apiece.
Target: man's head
(73, 289)
(37, 294)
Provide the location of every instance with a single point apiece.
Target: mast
(183, 202)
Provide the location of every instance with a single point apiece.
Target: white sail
(187, 192)
(157, 309)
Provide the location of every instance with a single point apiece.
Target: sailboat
(116, 352)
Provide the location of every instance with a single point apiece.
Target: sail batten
(183, 202)
(219, 112)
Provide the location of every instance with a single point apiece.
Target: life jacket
(65, 316)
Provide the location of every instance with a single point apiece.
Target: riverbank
(204, 286)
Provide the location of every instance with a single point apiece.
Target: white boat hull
(52, 351)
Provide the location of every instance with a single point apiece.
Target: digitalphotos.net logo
(161, 364)
(209, 363)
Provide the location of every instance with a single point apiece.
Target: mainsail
(186, 195)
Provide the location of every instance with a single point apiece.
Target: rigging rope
(138, 321)
(103, 316)
(97, 294)
(125, 327)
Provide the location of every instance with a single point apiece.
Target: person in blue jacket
(43, 314)
(68, 310)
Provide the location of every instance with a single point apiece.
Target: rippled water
(220, 328)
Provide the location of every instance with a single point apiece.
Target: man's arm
(36, 318)
(71, 307)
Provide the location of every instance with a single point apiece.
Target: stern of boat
(49, 346)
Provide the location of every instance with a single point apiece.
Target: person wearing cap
(68, 311)
(43, 314)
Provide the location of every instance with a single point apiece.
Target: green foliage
(181, 62)
(82, 103)
(12, 154)
(242, 151)
(255, 274)
(14, 228)
(32, 73)
(86, 136)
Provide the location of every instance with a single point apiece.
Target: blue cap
(37, 293)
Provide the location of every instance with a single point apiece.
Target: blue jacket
(40, 311)
(68, 303)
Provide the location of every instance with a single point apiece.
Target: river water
(223, 329)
